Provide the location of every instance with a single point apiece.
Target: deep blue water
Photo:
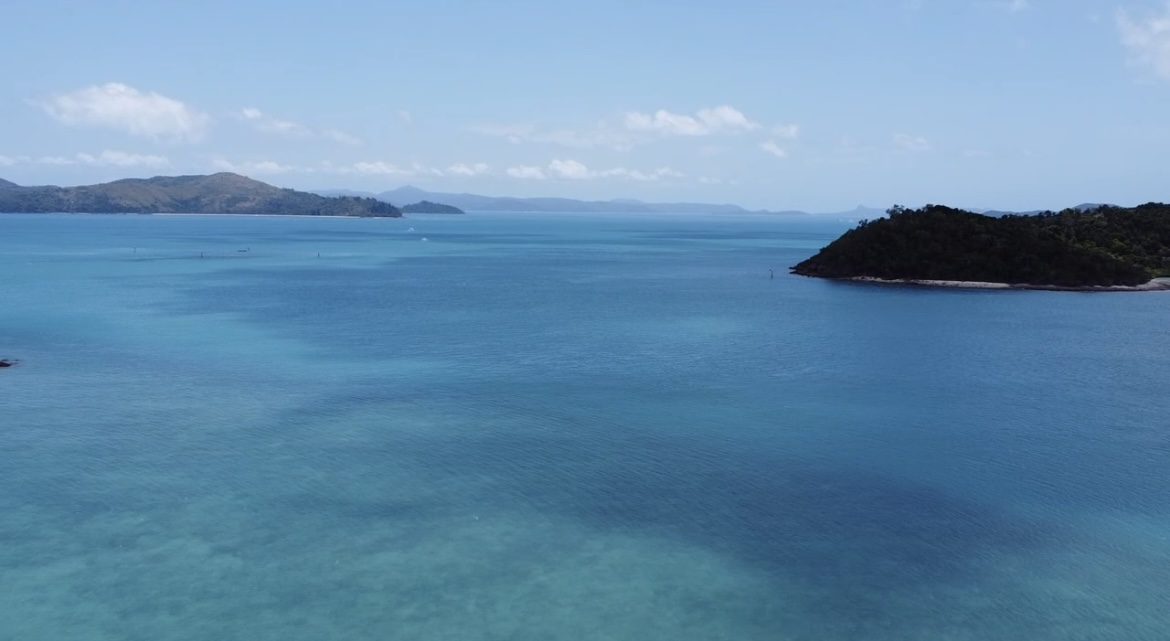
(562, 427)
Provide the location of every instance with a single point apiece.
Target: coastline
(1155, 285)
(264, 215)
(179, 213)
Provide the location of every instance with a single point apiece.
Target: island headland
(1103, 248)
(222, 193)
(428, 207)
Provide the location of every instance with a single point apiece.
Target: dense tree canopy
(1072, 248)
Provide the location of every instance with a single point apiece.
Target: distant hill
(222, 193)
(4, 184)
(1091, 206)
(331, 193)
(428, 207)
(1090, 247)
(475, 202)
(1034, 212)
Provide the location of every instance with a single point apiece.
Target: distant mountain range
(222, 193)
(476, 202)
(228, 193)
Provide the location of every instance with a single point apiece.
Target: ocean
(521, 426)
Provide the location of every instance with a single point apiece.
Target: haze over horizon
(1014, 104)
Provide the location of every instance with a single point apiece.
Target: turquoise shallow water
(574, 427)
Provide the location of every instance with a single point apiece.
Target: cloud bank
(705, 122)
(124, 108)
(1147, 39)
(107, 158)
(268, 124)
(568, 169)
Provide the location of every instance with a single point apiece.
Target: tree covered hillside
(1073, 248)
(222, 193)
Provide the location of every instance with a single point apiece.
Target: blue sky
(814, 105)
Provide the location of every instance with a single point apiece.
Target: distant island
(481, 203)
(428, 207)
(222, 193)
(1079, 248)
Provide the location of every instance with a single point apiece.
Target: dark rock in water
(4, 362)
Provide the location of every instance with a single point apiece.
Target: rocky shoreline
(1155, 285)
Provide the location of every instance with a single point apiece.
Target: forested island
(428, 207)
(222, 193)
(1097, 247)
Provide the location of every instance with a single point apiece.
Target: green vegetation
(1102, 246)
(223, 193)
(428, 207)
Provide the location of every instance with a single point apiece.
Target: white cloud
(788, 131)
(1147, 39)
(271, 167)
(465, 169)
(598, 137)
(514, 134)
(107, 158)
(601, 136)
(420, 169)
(666, 123)
(123, 159)
(526, 172)
(124, 108)
(336, 135)
(907, 142)
(771, 147)
(55, 160)
(268, 124)
(379, 168)
(574, 170)
(287, 127)
(635, 128)
(1016, 6)
(640, 176)
(290, 129)
(725, 117)
(256, 167)
(570, 169)
(705, 122)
